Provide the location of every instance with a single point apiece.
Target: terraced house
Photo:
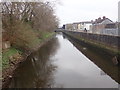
(104, 26)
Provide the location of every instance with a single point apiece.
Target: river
(63, 63)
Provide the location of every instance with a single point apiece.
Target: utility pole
(119, 11)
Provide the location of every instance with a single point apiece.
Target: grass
(6, 55)
(47, 34)
(12, 51)
(36, 42)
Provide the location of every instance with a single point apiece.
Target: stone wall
(106, 40)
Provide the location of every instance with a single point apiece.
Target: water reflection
(101, 58)
(62, 63)
(37, 70)
(75, 70)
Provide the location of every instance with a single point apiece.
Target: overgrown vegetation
(7, 54)
(27, 24)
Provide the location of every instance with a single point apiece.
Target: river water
(63, 63)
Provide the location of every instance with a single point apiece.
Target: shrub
(24, 37)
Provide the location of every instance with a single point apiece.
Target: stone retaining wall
(106, 40)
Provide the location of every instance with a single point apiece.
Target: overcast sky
(70, 11)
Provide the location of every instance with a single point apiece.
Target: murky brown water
(63, 63)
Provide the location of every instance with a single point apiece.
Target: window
(110, 26)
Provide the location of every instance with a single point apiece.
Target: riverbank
(60, 64)
(14, 57)
(105, 43)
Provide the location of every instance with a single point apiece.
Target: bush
(24, 37)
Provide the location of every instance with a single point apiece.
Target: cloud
(80, 10)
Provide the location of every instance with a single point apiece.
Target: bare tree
(39, 16)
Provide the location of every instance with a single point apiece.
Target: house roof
(99, 20)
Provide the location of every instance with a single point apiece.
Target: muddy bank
(8, 73)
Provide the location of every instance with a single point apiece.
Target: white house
(80, 26)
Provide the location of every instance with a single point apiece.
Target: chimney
(104, 17)
(99, 19)
(96, 20)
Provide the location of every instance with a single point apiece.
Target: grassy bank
(12, 54)
(9, 53)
